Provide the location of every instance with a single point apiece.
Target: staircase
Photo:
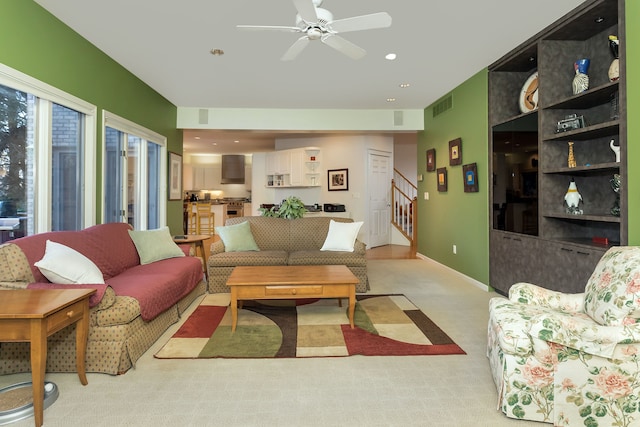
(404, 202)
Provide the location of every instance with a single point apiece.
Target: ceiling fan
(316, 23)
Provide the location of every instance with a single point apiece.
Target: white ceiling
(167, 44)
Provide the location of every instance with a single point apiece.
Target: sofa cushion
(155, 245)
(107, 245)
(66, 266)
(159, 285)
(612, 294)
(237, 237)
(341, 236)
(350, 259)
(232, 259)
(310, 233)
(270, 234)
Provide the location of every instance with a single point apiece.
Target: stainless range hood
(232, 169)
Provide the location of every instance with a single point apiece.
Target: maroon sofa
(129, 312)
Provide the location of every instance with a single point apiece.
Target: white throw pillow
(341, 236)
(155, 245)
(64, 265)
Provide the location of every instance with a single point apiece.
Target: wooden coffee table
(291, 282)
(32, 315)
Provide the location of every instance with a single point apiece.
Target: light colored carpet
(450, 391)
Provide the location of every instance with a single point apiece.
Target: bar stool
(203, 212)
(192, 218)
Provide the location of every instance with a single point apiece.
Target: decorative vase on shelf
(581, 79)
(614, 68)
(573, 199)
(571, 160)
(615, 186)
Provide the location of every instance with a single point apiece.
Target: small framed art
(470, 176)
(431, 160)
(442, 179)
(338, 179)
(455, 152)
(175, 176)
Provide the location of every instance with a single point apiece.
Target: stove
(235, 206)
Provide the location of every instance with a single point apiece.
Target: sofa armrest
(217, 247)
(359, 247)
(528, 293)
(580, 332)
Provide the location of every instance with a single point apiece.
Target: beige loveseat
(128, 313)
(285, 242)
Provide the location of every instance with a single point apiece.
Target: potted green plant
(291, 208)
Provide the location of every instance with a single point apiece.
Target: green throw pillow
(155, 245)
(237, 238)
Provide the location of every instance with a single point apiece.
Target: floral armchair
(571, 359)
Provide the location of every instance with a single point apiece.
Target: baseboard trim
(471, 280)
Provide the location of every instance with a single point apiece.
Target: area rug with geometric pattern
(385, 325)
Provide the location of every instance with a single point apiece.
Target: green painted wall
(38, 44)
(633, 115)
(455, 217)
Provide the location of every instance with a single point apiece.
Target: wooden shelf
(599, 130)
(584, 170)
(601, 217)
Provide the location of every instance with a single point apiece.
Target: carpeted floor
(404, 391)
(385, 325)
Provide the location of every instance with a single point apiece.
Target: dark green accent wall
(41, 46)
(455, 217)
(633, 117)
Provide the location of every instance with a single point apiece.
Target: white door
(379, 170)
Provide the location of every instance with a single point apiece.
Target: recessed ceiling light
(197, 137)
(217, 52)
(390, 56)
(214, 143)
(391, 100)
(404, 85)
(236, 142)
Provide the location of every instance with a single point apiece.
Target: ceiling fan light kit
(316, 23)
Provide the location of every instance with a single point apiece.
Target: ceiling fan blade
(344, 46)
(307, 10)
(295, 49)
(269, 27)
(363, 22)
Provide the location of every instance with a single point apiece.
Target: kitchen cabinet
(204, 177)
(298, 167)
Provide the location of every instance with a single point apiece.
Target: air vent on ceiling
(203, 116)
(443, 105)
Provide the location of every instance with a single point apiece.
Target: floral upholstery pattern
(612, 294)
(552, 362)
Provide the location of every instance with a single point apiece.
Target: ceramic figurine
(616, 149)
(581, 80)
(614, 68)
(573, 199)
(571, 160)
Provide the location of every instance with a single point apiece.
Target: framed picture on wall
(431, 160)
(175, 176)
(338, 179)
(455, 152)
(442, 179)
(470, 176)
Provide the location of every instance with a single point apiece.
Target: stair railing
(404, 202)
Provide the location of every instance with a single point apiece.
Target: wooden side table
(197, 241)
(31, 315)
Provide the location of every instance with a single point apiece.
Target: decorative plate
(529, 94)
